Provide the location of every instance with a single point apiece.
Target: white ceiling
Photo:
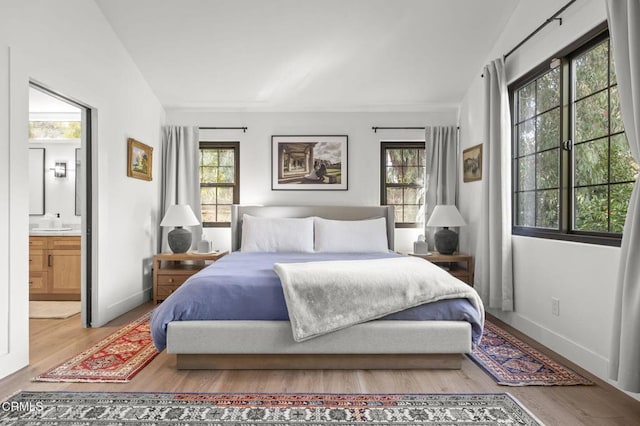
(309, 55)
(44, 107)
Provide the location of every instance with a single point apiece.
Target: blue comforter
(243, 286)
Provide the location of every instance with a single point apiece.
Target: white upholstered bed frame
(376, 344)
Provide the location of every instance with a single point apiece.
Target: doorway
(60, 205)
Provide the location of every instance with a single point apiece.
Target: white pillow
(351, 236)
(265, 234)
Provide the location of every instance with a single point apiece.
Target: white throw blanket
(327, 296)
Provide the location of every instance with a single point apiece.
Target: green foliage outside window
(537, 157)
(403, 180)
(55, 129)
(601, 170)
(218, 185)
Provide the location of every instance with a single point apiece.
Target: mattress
(243, 287)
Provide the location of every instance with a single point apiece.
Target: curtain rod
(244, 129)
(553, 17)
(376, 128)
(549, 20)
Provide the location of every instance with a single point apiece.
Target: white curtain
(494, 266)
(441, 172)
(180, 177)
(624, 362)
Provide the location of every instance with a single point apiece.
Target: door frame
(86, 210)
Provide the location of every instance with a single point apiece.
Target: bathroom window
(55, 129)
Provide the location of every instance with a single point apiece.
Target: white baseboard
(574, 352)
(594, 363)
(122, 307)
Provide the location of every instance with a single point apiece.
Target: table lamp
(445, 216)
(179, 215)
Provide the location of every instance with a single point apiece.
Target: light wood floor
(53, 341)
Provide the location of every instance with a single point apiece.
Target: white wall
(581, 276)
(363, 153)
(69, 47)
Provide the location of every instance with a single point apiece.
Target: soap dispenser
(57, 222)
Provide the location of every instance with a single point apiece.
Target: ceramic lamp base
(446, 241)
(179, 240)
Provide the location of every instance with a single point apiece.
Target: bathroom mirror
(78, 183)
(36, 181)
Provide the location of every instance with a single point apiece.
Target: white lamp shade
(446, 216)
(179, 215)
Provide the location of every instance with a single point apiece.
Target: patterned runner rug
(118, 408)
(512, 362)
(116, 358)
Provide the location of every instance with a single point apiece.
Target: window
(55, 129)
(573, 171)
(537, 132)
(219, 181)
(402, 171)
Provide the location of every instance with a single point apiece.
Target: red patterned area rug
(251, 409)
(116, 358)
(512, 362)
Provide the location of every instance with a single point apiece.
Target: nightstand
(170, 270)
(459, 265)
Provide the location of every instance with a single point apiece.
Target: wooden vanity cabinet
(54, 268)
(37, 266)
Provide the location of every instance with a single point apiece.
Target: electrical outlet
(555, 306)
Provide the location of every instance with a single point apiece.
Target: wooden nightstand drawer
(170, 270)
(459, 265)
(461, 274)
(165, 290)
(171, 280)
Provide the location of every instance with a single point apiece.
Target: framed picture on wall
(472, 163)
(139, 160)
(310, 163)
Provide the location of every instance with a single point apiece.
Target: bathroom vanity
(54, 265)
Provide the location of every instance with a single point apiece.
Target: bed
(238, 314)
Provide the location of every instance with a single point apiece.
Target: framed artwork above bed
(314, 163)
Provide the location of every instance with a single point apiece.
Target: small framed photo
(472, 163)
(139, 160)
(313, 163)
